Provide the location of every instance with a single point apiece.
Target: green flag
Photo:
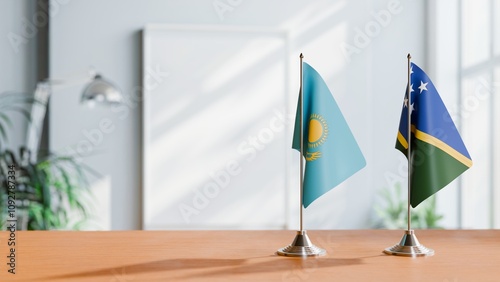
(331, 152)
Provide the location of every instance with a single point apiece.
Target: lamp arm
(57, 83)
(38, 111)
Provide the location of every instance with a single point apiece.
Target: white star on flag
(423, 86)
(412, 105)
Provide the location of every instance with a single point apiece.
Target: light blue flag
(331, 152)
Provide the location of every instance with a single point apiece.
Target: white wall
(17, 57)
(369, 86)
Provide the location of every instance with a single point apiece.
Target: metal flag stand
(301, 245)
(409, 245)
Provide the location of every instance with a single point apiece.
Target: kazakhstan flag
(331, 152)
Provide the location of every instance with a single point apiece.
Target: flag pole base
(409, 247)
(301, 247)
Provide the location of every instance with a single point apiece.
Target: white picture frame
(216, 131)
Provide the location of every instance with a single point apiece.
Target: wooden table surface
(461, 255)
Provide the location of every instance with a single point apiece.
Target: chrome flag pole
(409, 245)
(301, 245)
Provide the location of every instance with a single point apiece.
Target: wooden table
(461, 255)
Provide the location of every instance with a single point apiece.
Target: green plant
(393, 213)
(52, 192)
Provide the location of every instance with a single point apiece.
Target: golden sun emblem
(318, 133)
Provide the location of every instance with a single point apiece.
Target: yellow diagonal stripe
(441, 145)
(437, 143)
(402, 140)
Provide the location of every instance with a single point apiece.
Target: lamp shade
(101, 90)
